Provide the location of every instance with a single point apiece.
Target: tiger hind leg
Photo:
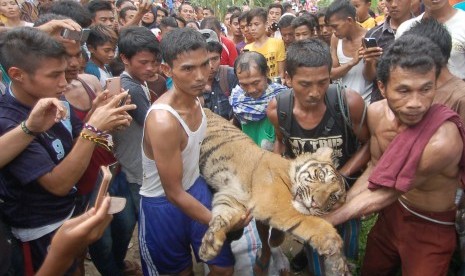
(226, 213)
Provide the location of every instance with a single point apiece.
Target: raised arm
(159, 125)
(43, 116)
(65, 175)
(338, 70)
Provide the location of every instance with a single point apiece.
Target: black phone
(274, 26)
(370, 42)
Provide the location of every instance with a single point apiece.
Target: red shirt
(229, 53)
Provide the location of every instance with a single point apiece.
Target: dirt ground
(290, 248)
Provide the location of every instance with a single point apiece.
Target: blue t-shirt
(26, 204)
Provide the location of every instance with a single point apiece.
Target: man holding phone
(383, 36)
(345, 46)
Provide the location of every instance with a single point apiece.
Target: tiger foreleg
(226, 213)
(321, 235)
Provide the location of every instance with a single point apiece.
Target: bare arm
(370, 57)
(65, 175)
(43, 116)
(272, 114)
(73, 237)
(143, 8)
(361, 201)
(339, 70)
(167, 155)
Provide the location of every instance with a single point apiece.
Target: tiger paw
(337, 265)
(213, 239)
(327, 244)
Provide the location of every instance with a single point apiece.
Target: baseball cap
(209, 35)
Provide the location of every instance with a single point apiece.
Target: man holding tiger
(315, 114)
(417, 162)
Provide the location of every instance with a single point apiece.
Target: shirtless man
(407, 76)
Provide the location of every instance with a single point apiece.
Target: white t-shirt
(455, 25)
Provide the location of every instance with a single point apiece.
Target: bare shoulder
(446, 140)
(163, 121)
(92, 81)
(376, 111)
(354, 101)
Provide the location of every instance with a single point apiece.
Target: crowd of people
(384, 90)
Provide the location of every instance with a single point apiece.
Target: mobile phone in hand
(102, 191)
(370, 42)
(113, 85)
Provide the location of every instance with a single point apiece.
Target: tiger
(288, 195)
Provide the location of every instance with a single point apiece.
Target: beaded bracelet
(27, 130)
(99, 141)
(95, 130)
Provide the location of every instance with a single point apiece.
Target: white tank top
(354, 78)
(151, 183)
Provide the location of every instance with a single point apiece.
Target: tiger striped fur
(282, 193)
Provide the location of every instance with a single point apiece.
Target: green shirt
(261, 132)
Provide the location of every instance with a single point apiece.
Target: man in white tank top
(175, 200)
(345, 46)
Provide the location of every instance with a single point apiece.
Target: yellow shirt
(369, 23)
(379, 19)
(274, 52)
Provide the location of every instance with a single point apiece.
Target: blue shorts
(166, 234)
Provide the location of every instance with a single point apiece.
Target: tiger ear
(325, 154)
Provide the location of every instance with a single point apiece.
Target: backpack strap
(285, 103)
(331, 100)
(223, 71)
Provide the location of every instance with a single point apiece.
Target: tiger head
(316, 184)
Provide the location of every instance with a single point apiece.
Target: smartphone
(102, 191)
(274, 26)
(80, 36)
(370, 42)
(113, 85)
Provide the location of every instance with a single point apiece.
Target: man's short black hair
(234, 15)
(123, 11)
(305, 20)
(257, 12)
(26, 48)
(286, 21)
(73, 10)
(100, 34)
(211, 23)
(276, 5)
(245, 61)
(98, 5)
(169, 22)
(342, 8)
(410, 52)
(119, 3)
(177, 17)
(165, 11)
(432, 29)
(45, 18)
(180, 41)
(184, 4)
(243, 16)
(213, 46)
(133, 40)
(233, 9)
(307, 53)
